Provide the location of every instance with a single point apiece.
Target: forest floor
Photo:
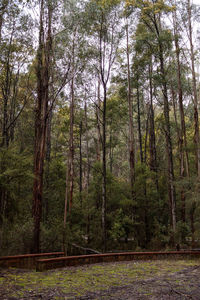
(163, 279)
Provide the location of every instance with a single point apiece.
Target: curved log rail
(60, 262)
(26, 261)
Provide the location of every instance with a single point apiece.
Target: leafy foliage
(138, 220)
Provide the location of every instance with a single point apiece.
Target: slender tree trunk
(6, 91)
(71, 149)
(71, 137)
(181, 156)
(184, 160)
(146, 134)
(81, 162)
(152, 138)
(87, 148)
(147, 207)
(171, 186)
(87, 174)
(99, 136)
(65, 212)
(50, 112)
(39, 136)
(110, 150)
(178, 131)
(139, 123)
(69, 171)
(12, 122)
(104, 80)
(195, 99)
(130, 111)
(48, 138)
(48, 161)
(98, 122)
(104, 194)
(106, 59)
(69, 187)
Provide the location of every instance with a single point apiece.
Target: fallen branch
(177, 292)
(181, 294)
(86, 249)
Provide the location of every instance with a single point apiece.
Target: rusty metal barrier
(60, 262)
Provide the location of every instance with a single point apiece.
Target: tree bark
(65, 212)
(104, 171)
(71, 149)
(98, 122)
(171, 189)
(6, 91)
(152, 138)
(184, 160)
(12, 117)
(195, 99)
(42, 73)
(80, 162)
(139, 122)
(130, 112)
(87, 175)
(106, 59)
(147, 206)
(99, 135)
(171, 186)
(181, 155)
(48, 161)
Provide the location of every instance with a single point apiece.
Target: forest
(99, 125)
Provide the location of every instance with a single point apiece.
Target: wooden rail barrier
(26, 261)
(60, 262)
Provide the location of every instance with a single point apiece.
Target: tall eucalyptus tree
(160, 41)
(194, 83)
(107, 31)
(42, 109)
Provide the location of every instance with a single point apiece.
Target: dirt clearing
(163, 279)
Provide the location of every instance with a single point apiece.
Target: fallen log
(25, 261)
(60, 262)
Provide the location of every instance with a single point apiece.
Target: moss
(78, 281)
(1, 280)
